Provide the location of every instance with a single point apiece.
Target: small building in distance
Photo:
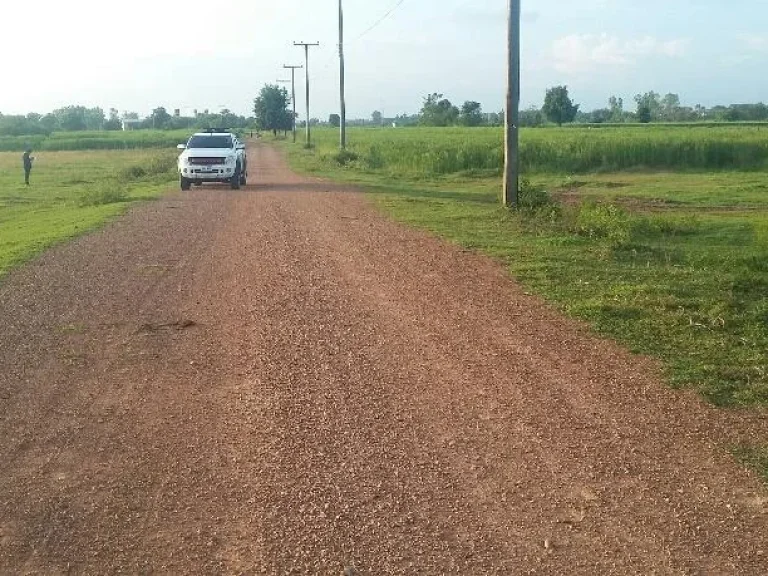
(130, 124)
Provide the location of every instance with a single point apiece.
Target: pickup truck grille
(206, 161)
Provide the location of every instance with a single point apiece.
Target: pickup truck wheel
(185, 183)
(234, 182)
(243, 179)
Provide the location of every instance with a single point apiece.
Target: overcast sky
(201, 54)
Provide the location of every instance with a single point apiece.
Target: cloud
(587, 52)
(754, 42)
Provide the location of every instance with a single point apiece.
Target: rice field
(102, 140)
(430, 152)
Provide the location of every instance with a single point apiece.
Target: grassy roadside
(672, 265)
(72, 193)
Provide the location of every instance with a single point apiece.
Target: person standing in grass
(27, 159)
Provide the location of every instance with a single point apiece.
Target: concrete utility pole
(512, 109)
(343, 127)
(306, 70)
(293, 95)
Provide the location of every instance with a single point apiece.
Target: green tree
(334, 120)
(644, 114)
(648, 107)
(271, 109)
(377, 118)
(558, 107)
(616, 106)
(49, 123)
(160, 118)
(113, 122)
(671, 110)
(438, 111)
(94, 118)
(529, 118)
(471, 114)
(71, 118)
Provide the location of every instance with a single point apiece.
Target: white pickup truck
(213, 157)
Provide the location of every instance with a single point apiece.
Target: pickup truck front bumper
(207, 173)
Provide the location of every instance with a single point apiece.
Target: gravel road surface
(279, 380)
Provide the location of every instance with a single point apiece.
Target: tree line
(559, 108)
(81, 118)
(271, 112)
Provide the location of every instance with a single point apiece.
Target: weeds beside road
(673, 265)
(71, 193)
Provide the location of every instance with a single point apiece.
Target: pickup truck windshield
(210, 142)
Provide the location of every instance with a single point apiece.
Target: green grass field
(671, 262)
(429, 152)
(117, 140)
(71, 193)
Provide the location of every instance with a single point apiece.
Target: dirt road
(278, 380)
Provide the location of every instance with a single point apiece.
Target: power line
(386, 15)
(381, 19)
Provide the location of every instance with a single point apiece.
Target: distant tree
(558, 107)
(271, 109)
(671, 110)
(71, 118)
(644, 114)
(616, 106)
(377, 118)
(94, 118)
(49, 123)
(160, 119)
(471, 114)
(530, 118)
(113, 121)
(334, 120)
(495, 118)
(438, 111)
(599, 116)
(648, 107)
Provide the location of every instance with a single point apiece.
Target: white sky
(200, 54)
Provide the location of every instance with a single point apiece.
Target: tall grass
(63, 141)
(429, 152)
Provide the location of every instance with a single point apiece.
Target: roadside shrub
(604, 221)
(131, 173)
(374, 160)
(533, 197)
(160, 165)
(102, 193)
(344, 157)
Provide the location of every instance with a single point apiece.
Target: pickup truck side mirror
(182, 146)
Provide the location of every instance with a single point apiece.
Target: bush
(344, 157)
(102, 193)
(532, 197)
(374, 160)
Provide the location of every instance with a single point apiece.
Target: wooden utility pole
(512, 109)
(306, 70)
(343, 126)
(293, 95)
